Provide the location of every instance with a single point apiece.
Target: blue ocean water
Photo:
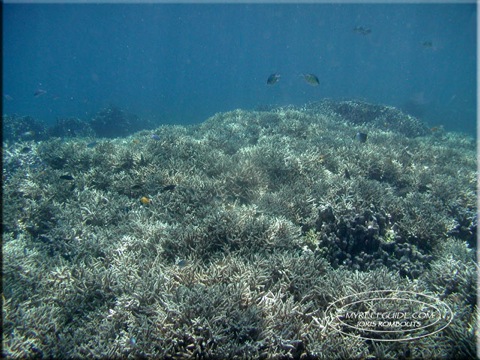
(181, 63)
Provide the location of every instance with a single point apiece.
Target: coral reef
(383, 117)
(109, 122)
(22, 128)
(230, 239)
(71, 127)
(112, 122)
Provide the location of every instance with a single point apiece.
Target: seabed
(231, 239)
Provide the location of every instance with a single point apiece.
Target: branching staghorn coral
(253, 223)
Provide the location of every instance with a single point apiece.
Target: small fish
(7, 97)
(272, 79)
(136, 186)
(39, 92)
(92, 144)
(145, 200)
(155, 137)
(311, 79)
(169, 188)
(30, 133)
(26, 150)
(362, 30)
(346, 173)
(182, 263)
(427, 44)
(362, 137)
(437, 129)
(67, 177)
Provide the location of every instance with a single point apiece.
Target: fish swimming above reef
(39, 92)
(272, 79)
(145, 200)
(67, 177)
(362, 137)
(182, 263)
(170, 187)
(427, 44)
(155, 137)
(311, 79)
(28, 134)
(362, 30)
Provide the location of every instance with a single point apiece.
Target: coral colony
(231, 239)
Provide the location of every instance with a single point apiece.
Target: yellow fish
(145, 200)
